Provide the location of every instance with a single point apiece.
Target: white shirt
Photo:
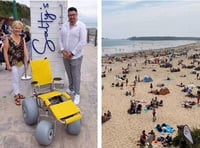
(73, 39)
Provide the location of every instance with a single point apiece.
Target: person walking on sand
(133, 89)
(154, 114)
(126, 81)
(197, 76)
(138, 78)
(151, 86)
(15, 53)
(143, 138)
(198, 96)
(73, 38)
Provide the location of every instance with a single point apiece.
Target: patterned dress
(16, 52)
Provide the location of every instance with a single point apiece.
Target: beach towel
(143, 101)
(146, 110)
(117, 78)
(164, 128)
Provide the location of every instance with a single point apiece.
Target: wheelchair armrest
(57, 79)
(34, 82)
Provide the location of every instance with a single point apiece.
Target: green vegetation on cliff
(6, 10)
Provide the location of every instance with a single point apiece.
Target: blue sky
(126, 18)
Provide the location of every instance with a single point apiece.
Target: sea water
(117, 46)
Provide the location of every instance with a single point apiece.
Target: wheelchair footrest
(66, 109)
(73, 118)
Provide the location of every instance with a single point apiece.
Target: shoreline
(194, 45)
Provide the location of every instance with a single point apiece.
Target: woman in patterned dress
(15, 52)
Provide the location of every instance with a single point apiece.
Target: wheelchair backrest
(41, 71)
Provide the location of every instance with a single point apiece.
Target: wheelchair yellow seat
(64, 110)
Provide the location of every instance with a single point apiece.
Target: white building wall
(47, 18)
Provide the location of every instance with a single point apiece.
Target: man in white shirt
(73, 38)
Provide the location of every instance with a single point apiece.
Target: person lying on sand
(156, 92)
(181, 85)
(188, 104)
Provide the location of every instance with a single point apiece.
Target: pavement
(14, 133)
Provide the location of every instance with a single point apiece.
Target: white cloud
(86, 8)
(177, 19)
(25, 2)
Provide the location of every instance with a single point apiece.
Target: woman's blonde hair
(17, 24)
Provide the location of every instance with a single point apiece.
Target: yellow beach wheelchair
(55, 105)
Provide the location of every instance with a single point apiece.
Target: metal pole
(95, 40)
(88, 35)
(14, 10)
(25, 76)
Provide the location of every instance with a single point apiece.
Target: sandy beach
(123, 129)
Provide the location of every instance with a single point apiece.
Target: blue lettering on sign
(45, 21)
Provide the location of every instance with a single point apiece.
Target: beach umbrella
(147, 78)
(164, 91)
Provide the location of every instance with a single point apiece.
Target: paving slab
(14, 133)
